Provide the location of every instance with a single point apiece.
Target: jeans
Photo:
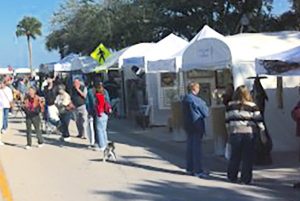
(242, 151)
(65, 119)
(194, 153)
(5, 118)
(101, 131)
(115, 103)
(82, 121)
(36, 122)
(91, 130)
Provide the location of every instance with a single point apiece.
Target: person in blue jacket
(195, 111)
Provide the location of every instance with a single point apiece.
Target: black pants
(242, 152)
(65, 119)
(36, 122)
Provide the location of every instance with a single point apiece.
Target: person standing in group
(7, 103)
(102, 117)
(32, 108)
(51, 92)
(2, 98)
(64, 104)
(113, 89)
(244, 122)
(195, 111)
(78, 96)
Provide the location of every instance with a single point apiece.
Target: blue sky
(13, 51)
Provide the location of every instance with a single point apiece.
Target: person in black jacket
(78, 96)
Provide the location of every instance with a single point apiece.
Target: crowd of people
(90, 106)
(57, 104)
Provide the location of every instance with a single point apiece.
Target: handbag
(228, 150)
(296, 114)
(107, 108)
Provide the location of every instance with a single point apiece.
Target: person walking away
(296, 118)
(113, 89)
(2, 98)
(32, 108)
(7, 105)
(78, 97)
(51, 92)
(195, 111)
(102, 118)
(65, 107)
(244, 123)
(91, 105)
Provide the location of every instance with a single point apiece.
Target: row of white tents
(244, 54)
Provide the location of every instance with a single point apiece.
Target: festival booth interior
(283, 47)
(162, 78)
(207, 61)
(132, 64)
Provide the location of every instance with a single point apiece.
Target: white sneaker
(67, 139)
(1, 143)
(40, 145)
(3, 131)
(27, 147)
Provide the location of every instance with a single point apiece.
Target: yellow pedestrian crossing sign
(100, 54)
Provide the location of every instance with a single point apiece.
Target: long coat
(195, 111)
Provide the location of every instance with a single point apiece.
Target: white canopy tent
(245, 48)
(6, 71)
(161, 59)
(206, 51)
(72, 62)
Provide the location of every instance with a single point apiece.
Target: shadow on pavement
(181, 191)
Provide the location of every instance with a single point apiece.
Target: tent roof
(246, 47)
(161, 57)
(166, 48)
(283, 63)
(207, 50)
(136, 51)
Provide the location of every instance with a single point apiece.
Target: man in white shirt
(7, 100)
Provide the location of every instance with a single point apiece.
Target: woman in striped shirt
(244, 122)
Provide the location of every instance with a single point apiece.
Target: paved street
(149, 168)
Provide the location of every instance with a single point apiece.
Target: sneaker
(202, 175)
(3, 131)
(1, 143)
(40, 145)
(27, 147)
(67, 139)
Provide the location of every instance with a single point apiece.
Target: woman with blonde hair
(101, 117)
(244, 122)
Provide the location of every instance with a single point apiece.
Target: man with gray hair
(78, 96)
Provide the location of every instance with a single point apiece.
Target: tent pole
(279, 92)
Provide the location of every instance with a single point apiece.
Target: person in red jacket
(33, 107)
(102, 117)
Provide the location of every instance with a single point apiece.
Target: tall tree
(30, 27)
(79, 26)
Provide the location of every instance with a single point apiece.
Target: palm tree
(30, 27)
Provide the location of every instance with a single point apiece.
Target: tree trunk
(30, 54)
